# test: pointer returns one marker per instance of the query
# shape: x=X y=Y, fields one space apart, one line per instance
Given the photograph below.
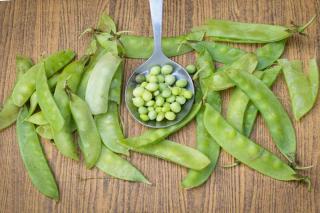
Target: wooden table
x=40 y=27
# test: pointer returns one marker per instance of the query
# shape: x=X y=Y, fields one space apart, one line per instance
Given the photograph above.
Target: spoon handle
x=156 y=17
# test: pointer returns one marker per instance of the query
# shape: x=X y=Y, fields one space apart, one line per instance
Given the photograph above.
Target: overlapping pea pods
x=80 y=102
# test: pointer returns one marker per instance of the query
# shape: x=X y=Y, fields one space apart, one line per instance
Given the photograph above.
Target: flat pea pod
x=117 y=167
x=34 y=159
x=97 y=92
x=302 y=93
x=274 y=114
x=45 y=131
x=245 y=150
x=27 y=83
x=239 y=32
x=9 y=111
x=116 y=85
x=46 y=101
x=38 y=119
x=90 y=143
x=176 y=153
x=108 y=125
x=269 y=53
x=156 y=135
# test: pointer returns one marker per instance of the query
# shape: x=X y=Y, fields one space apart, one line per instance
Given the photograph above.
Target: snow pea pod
x=176 y=153
x=90 y=143
x=46 y=102
x=238 y=32
x=34 y=159
x=117 y=167
x=302 y=92
x=9 y=111
x=97 y=92
x=37 y=118
x=274 y=114
x=27 y=83
x=269 y=53
x=245 y=150
x=45 y=131
x=116 y=85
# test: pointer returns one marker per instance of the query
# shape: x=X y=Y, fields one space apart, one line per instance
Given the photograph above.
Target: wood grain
x=39 y=27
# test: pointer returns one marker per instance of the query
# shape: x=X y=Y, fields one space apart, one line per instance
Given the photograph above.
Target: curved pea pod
x=276 y=117
x=46 y=101
x=176 y=153
x=106 y=24
x=45 y=131
x=110 y=130
x=245 y=150
x=303 y=89
x=117 y=167
x=34 y=159
x=239 y=32
x=269 y=53
x=9 y=111
x=90 y=143
x=37 y=118
x=27 y=83
x=156 y=135
x=220 y=79
x=116 y=85
x=97 y=92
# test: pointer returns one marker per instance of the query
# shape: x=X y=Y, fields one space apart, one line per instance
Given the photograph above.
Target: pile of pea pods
x=75 y=103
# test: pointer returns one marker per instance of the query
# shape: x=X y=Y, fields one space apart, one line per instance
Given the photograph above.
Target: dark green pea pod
x=34 y=159
x=9 y=111
x=245 y=150
x=238 y=32
x=27 y=83
x=116 y=85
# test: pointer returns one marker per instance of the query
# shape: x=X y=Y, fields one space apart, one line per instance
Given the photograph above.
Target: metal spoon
x=157 y=58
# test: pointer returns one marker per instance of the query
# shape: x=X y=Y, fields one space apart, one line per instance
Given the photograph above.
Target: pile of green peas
x=159 y=95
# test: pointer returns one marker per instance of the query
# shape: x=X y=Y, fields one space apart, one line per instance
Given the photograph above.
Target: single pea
x=150 y=103
x=169 y=79
x=156 y=93
x=175 y=107
x=187 y=94
x=152 y=78
x=181 y=100
x=171 y=99
x=160 y=116
x=170 y=116
x=166 y=93
x=140 y=78
x=176 y=90
x=158 y=109
x=159 y=100
x=152 y=115
x=144 y=117
x=155 y=70
x=191 y=68
x=138 y=91
x=162 y=86
x=147 y=96
x=160 y=78
x=152 y=87
x=166 y=107
x=143 y=84
x=181 y=83
x=166 y=69
x=150 y=109
x=138 y=101
x=142 y=110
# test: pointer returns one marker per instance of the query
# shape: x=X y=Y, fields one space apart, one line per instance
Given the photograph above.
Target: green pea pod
x=220 y=79
x=27 y=83
x=90 y=143
x=269 y=53
x=245 y=150
x=97 y=92
x=45 y=131
x=9 y=111
x=110 y=130
x=37 y=118
x=46 y=102
x=106 y=24
x=117 y=167
x=302 y=91
x=274 y=114
x=34 y=159
x=238 y=32
x=156 y=135
x=116 y=85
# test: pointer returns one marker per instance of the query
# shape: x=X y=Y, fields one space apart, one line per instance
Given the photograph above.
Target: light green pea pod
x=117 y=167
x=245 y=150
x=303 y=89
x=106 y=24
x=34 y=159
x=9 y=111
x=46 y=101
x=90 y=143
x=38 y=119
x=269 y=53
x=97 y=92
x=45 y=131
x=27 y=83
x=274 y=114
x=116 y=85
